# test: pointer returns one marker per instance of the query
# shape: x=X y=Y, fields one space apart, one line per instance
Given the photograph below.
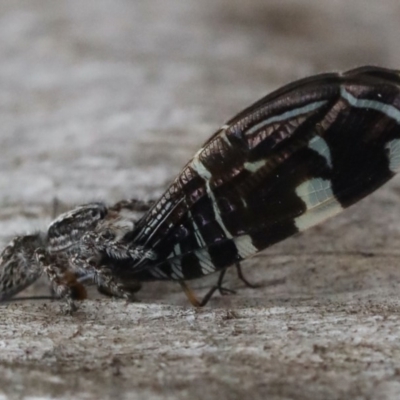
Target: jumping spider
x=70 y=253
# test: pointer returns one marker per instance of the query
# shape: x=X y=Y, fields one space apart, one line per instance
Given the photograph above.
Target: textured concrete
x=108 y=100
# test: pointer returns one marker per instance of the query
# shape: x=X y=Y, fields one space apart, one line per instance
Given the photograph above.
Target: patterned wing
x=293 y=159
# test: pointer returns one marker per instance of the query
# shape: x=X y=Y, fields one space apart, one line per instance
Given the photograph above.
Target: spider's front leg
x=89 y=265
x=109 y=285
x=82 y=238
x=95 y=248
x=136 y=205
x=107 y=242
x=63 y=280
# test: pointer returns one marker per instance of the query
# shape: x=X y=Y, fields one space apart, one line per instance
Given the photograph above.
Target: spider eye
x=97 y=211
x=92 y=262
x=107 y=235
x=98 y=214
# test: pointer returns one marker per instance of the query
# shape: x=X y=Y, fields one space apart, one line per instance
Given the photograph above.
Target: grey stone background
x=107 y=99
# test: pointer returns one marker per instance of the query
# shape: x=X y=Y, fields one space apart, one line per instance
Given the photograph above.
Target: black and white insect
x=296 y=157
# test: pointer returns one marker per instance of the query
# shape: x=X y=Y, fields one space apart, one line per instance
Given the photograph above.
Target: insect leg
x=243 y=278
x=192 y=297
x=223 y=290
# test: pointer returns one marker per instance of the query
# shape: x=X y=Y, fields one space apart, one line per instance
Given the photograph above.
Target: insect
x=291 y=160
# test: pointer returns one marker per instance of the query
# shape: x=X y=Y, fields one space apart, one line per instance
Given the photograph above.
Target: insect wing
x=293 y=159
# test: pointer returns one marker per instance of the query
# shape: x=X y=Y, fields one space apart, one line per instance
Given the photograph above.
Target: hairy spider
x=70 y=253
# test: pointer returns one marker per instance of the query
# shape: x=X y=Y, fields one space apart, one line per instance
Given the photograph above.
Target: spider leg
x=133 y=205
x=18 y=266
x=108 y=284
x=63 y=280
x=104 y=277
x=93 y=242
x=131 y=287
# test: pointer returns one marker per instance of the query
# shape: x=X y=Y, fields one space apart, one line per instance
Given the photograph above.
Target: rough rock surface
x=107 y=100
